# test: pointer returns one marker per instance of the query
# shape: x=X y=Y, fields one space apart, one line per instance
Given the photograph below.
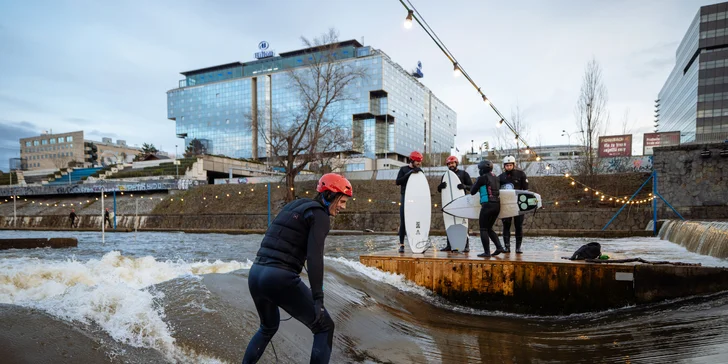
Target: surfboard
x=456 y=228
x=513 y=203
x=417 y=212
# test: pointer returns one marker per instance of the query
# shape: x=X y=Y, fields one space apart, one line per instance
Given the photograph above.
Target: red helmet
x=335 y=183
x=451 y=158
x=416 y=156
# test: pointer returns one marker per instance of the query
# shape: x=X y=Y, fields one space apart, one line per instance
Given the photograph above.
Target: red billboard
x=665 y=139
x=615 y=146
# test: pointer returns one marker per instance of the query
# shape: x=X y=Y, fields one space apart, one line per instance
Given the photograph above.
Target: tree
x=591 y=115
x=313 y=129
x=195 y=148
x=61 y=162
x=147 y=149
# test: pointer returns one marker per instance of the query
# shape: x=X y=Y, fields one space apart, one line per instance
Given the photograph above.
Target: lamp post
x=176 y=164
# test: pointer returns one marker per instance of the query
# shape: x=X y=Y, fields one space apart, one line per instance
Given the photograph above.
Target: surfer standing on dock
x=402 y=177
x=488 y=186
x=465 y=184
x=512 y=179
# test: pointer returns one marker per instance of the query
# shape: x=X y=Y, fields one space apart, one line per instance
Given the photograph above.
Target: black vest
x=286 y=241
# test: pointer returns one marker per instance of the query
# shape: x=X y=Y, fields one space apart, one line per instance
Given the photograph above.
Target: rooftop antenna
x=362 y=40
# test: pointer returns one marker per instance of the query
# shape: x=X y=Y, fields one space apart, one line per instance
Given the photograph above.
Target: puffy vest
x=286 y=241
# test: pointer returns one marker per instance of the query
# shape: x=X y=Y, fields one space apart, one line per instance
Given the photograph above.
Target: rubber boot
x=401 y=249
x=486 y=244
x=447 y=247
x=507 y=243
x=498 y=248
x=519 y=240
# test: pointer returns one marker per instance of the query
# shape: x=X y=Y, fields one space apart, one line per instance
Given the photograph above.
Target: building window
x=69 y=138
x=44 y=141
x=35 y=142
x=27 y=144
x=61 y=140
x=53 y=140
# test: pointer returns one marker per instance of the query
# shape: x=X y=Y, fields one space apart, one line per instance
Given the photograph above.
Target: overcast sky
x=104 y=67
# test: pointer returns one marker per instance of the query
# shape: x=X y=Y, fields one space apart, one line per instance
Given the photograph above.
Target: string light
x=457 y=67
x=408 y=20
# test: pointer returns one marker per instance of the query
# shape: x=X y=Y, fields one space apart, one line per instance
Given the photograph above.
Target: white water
x=111 y=292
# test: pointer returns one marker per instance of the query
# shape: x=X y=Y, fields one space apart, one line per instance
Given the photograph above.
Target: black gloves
x=441 y=186
x=318 y=306
x=461 y=186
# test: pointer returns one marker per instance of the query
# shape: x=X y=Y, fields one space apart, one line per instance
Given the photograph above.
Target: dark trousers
x=488 y=214
x=73 y=222
x=273 y=287
x=402 y=230
x=507 y=231
x=106 y=219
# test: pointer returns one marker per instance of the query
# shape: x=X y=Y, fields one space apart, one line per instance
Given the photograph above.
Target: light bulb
x=456 y=70
x=408 y=20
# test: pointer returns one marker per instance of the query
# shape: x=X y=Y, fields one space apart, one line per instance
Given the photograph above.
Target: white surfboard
x=513 y=203
x=456 y=228
x=417 y=212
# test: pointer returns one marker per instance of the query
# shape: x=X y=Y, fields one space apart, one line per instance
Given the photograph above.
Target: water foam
x=112 y=292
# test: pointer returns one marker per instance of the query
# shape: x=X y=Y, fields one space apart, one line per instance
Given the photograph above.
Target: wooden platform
x=543 y=283
x=32 y=243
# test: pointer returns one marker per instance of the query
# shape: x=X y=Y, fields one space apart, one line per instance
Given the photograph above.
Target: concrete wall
x=687 y=179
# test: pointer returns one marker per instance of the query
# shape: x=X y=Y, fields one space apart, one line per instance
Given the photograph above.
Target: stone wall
x=687 y=179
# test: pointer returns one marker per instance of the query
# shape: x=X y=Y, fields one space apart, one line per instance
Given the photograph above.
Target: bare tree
x=61 y=161
x=626 y=124
x=312 y=130
x=591 y=114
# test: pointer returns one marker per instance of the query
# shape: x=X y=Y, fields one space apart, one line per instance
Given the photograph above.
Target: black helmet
x=485 y=167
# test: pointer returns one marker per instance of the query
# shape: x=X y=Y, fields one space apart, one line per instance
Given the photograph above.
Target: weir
x=702 y=237
x=544 y=284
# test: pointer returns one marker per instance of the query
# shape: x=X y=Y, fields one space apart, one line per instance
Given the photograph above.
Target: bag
x=589 y=251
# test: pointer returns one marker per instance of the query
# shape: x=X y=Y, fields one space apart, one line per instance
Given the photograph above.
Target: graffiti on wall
x=105 y=186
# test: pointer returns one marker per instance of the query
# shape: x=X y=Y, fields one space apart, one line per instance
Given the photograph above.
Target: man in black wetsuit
x=465 y=183
x=402 y=178
x=297 y=235
x=512 y=179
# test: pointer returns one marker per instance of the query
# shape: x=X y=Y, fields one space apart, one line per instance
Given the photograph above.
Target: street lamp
x=176 y=163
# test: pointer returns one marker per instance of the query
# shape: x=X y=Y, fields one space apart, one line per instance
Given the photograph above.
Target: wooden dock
x=543 y=283
x=32 y=243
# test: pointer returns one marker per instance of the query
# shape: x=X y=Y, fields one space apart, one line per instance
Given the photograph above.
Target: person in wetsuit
x=295 y=237
x=402 y=178
x=72 y=217
x=512 y=179
x=488 y=186
x=465 y=183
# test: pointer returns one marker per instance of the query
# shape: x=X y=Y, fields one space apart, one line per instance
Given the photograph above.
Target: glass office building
x=693 y=98
x=389 y=112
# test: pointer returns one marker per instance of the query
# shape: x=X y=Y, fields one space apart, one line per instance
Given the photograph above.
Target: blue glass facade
x=387 y=111
x=693 y=98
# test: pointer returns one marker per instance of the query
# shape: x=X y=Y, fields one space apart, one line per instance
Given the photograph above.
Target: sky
x=105 y=67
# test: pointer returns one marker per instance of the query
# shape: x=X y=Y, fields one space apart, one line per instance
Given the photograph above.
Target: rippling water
x=183 y=298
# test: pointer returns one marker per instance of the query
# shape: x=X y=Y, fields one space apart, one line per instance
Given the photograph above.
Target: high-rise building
x=694 y=99
x=389 y=111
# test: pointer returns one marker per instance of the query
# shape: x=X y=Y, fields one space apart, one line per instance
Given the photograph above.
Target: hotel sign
x=263 y=51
